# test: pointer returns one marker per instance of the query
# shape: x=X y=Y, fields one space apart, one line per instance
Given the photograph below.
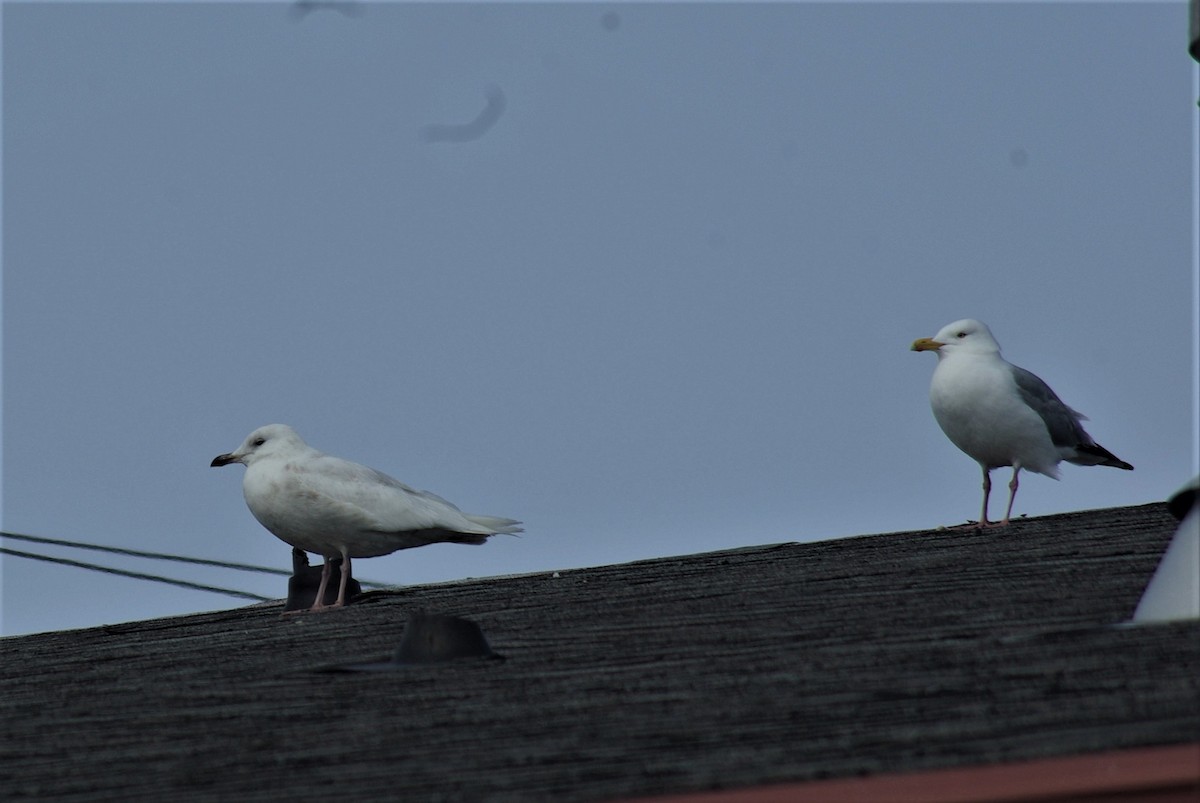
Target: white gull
x=1003 y=415
x=335 y=508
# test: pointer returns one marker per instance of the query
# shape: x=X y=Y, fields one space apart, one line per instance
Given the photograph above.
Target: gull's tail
x=1093 y=454
x=498 y=525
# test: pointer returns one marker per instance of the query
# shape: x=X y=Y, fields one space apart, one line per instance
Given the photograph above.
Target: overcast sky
x=644 y=276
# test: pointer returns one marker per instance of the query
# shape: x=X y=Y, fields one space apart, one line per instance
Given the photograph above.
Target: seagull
x=1003 y=415
x=336 y=508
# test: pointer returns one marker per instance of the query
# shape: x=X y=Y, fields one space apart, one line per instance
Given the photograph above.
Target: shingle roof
x=788 y=662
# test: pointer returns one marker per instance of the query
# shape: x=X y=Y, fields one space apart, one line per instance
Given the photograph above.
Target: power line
x=137 y=553
x=140 y=554
x=135 y=575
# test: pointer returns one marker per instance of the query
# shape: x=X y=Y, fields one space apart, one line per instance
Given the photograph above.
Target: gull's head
x=965 y=335
x=273 y=439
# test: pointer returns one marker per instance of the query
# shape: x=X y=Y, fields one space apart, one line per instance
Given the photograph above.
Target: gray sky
x=656 y=300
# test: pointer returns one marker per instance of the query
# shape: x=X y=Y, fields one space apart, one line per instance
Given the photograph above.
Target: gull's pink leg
x=341 y=600
x=1012 y=493
x=326 y=571
x=987 y=491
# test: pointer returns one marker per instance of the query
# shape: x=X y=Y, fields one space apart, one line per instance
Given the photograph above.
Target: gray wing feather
x=1061 y=421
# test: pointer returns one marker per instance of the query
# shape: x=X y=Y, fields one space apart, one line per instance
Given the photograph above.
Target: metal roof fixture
x=1173 y=593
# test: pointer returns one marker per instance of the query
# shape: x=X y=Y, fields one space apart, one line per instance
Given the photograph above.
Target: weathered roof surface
x=791 y=662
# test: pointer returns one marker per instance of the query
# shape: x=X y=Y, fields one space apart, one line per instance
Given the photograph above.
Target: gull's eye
x=961 y=335
x=259 y=441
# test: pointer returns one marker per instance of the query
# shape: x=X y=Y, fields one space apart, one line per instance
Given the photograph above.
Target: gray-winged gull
x=333 y=507
x=1003 y=415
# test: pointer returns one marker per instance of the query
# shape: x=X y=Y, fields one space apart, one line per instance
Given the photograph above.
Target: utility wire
x=243 y=567
x=136 y=575
x=140 y=554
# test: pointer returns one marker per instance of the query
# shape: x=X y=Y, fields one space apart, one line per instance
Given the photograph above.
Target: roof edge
x=1160 y=774
x=751 y=548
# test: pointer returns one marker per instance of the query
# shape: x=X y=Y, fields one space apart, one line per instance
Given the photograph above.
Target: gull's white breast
x=978 y=405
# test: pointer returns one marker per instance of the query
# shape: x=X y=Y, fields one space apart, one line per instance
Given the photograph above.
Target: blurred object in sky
x=347 y=8
x=465 y=132
x=610 y=21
